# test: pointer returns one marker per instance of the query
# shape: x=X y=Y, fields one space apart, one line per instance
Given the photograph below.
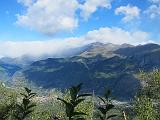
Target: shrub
x=76 y=99
x=24 y=109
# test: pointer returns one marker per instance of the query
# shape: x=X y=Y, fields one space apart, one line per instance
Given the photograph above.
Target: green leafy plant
x=5 y=111
x=144 y=108
x=147 y=100
x=24 y=109
x=76 y=99
x=106 y=106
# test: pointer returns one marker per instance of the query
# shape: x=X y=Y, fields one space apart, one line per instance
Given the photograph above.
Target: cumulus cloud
x=118 y=36
x=153 y=11
x=49 y=16
x=26 y=2
x=129 y=12
x=51 y=47
x=90 y=6
x=155 y=1
x=52 y=16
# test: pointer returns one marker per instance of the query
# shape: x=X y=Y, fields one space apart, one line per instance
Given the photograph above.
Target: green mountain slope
x=7 y=71
x=97 y=71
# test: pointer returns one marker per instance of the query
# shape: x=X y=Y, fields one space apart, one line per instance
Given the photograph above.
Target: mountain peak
x=125 y=45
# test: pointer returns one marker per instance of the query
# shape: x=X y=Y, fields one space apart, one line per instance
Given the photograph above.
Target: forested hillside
x=116 y=69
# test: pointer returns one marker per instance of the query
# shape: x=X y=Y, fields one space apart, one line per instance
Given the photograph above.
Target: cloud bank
x=56 y=46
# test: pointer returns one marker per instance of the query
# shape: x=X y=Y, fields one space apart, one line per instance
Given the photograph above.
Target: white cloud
x=52 y=16
x=130 y=12
x=37 y=48
x=118 y=36
x=155 y=1
x=50 y=47
x=153 y=11
x=26 y=2
x=49 y=16
x=91 y=6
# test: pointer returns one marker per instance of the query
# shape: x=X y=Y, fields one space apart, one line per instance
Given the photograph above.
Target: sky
x=37 y=27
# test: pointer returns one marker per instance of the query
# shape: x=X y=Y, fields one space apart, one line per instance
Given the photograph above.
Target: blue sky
x=60 y=20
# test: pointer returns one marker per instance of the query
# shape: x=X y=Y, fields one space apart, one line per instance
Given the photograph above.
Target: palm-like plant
x=24 y=109
x=106 y=107
x=76 y=99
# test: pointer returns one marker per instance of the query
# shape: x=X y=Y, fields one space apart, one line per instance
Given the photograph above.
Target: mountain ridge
x=97 y=70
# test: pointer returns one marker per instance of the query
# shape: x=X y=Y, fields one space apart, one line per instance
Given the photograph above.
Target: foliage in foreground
x=106 y=107
x=75 y=100
x=73 y=106
x=10 y=106
x=24 y=109
x=148 y=99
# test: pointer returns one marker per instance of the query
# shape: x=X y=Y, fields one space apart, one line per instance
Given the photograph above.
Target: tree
x=8 y=99
x=144 y=108
x=147 y=101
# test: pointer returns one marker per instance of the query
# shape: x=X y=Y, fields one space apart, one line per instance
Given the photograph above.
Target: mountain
x=18 y=61
x=97 y=66
x=90 y=50
x=26 y=60
x=140 y=49
x=105 y=50
x=7 y=71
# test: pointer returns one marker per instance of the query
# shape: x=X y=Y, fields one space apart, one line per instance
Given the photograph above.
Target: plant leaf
x=84 y=95
x=109 y=107
x=26 y=101
x=102 y=110
x=24 y=95
x=27 y=90
x=111 y=116
x=103 y=100
x=65 y=102
x=31 y=106
x=79 y=113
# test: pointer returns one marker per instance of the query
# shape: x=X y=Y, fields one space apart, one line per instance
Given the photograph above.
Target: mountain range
x=97 y=65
